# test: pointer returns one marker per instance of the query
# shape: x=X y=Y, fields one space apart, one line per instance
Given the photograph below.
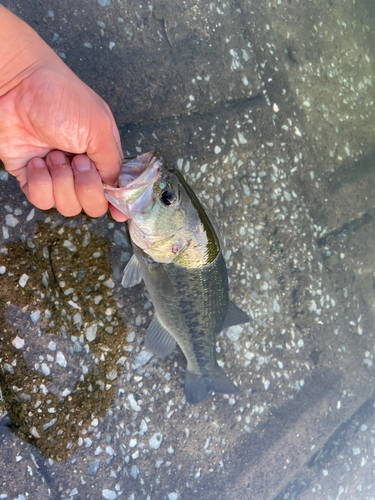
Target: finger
x=104 y=149
x=116 y=214
x=38 y=186
x=88 y=186
x=66 y=201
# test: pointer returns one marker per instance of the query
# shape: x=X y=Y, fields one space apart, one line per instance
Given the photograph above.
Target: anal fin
x=132 y=273
x=235 y=316
x=158 y=340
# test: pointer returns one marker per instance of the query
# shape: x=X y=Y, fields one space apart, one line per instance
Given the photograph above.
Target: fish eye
x=168 y=197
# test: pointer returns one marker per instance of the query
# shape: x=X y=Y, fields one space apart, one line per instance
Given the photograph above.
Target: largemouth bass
x=177 y=254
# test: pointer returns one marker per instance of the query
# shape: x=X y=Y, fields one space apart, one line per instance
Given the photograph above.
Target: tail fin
x=197 y=388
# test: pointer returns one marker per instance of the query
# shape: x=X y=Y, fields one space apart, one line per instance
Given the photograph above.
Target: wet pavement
x=268 y=110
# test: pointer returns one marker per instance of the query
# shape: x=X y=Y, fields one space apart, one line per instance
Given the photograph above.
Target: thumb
x=104 y=149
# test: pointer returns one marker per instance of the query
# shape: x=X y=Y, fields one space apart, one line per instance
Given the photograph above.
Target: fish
x=178 y=255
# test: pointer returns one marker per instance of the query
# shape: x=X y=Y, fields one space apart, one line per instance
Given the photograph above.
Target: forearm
x=21 y=49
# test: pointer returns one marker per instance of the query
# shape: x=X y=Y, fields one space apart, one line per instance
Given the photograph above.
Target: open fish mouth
x=134 y=190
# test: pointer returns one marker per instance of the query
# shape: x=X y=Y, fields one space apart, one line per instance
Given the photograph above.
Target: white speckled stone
x=109 y=494
x=70 y=246
x=23 y=280
x=155 y=441
x=134 y=472
x=18 y=343
x=133 y=403
x=142 y=358
x=11 y=221
x=90 y=332
x=60 y=359
x=234 y=332
x=35 y=316
x=109 y=283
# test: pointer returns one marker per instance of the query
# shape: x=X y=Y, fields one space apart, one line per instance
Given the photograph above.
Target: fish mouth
x=134 y=190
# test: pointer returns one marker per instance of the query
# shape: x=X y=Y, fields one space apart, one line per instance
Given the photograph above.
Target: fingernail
x=81 y=163
x=58 y=158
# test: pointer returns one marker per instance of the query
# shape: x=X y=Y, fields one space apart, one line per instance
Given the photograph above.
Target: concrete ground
x=267 y=107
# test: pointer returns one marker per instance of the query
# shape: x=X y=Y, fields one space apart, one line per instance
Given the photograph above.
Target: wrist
x=21 y=51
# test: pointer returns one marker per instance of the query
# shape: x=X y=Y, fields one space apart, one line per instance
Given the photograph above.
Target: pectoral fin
x=159 y=275
x=235 y=316
x=132 y=273
x=158 y=340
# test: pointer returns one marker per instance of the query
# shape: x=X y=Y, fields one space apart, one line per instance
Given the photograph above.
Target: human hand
x=59 y=138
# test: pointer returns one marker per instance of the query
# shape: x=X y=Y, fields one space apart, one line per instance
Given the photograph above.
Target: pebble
x=11 y=221
x=2 y=269
x=9 y=368
x=109 y=494
x=109 y=283
x=52 y=345
x=69 y=245
x=143 y=427
x=155 y=441
x=120 y=239
x=45 y=370
x=60 y=359
x=73 y=304
x=112 y=375
x=97 y=299
x=90 y=332
x=77 y=318
x=23 y=280
x=86 y=240
x=34 y=432
x=130 y=337
x=133 y=403
x=35 y=316
x=31 y=215
x=142 y=358
x=134 y=472
x=18 y=343
x=275 y=306
x=234 y=332
x=50 y=424
x=93 y=468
